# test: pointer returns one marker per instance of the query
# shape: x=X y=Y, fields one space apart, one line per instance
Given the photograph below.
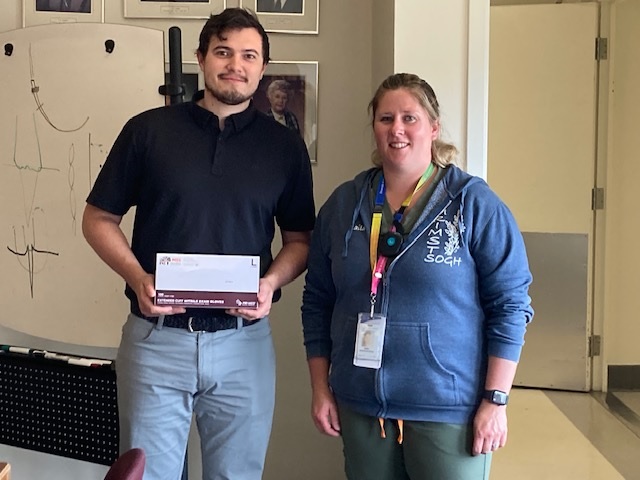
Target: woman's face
x=278 y=100
x=403 y=131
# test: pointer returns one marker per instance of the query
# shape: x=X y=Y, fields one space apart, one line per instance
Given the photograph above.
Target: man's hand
x=146 y=292
x=265 y=297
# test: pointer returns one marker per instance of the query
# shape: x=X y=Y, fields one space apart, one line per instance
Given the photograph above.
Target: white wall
x=446 y=43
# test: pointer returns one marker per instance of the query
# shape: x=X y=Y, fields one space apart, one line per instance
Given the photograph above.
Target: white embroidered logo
x=439 y=249
x=358 y=228
x=453 y=230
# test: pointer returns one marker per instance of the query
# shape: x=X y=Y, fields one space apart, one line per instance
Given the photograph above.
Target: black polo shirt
x=197 y=189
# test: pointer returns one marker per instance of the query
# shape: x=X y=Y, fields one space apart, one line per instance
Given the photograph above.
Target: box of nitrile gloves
x=207 y=281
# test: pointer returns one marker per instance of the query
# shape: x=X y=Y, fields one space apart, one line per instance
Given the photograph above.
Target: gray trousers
x=430 y=451
x=227 y=379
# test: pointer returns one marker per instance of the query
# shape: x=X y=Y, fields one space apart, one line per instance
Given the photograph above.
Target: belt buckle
x=190 y=326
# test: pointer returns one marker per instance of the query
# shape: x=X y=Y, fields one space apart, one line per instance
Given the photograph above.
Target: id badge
x=369 y=340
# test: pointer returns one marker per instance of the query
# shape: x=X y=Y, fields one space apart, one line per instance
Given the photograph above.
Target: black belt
x=201 y=324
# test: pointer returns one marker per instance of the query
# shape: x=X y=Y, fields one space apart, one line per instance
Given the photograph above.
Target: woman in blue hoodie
x=415 y=304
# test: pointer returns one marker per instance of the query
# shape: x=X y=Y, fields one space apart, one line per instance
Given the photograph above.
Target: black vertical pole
x=175 y=66
x=176 y=95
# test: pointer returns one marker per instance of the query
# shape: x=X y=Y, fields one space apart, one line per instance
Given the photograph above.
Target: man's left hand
x=265 y=297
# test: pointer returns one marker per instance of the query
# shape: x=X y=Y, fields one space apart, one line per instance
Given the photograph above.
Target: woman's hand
x=324 y=412
x=489 y=428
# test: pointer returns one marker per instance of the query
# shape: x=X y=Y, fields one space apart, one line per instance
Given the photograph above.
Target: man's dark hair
x=232 y=19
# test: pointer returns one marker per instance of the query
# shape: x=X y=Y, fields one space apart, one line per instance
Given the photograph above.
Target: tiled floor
x=566 y=436
x=552 y=436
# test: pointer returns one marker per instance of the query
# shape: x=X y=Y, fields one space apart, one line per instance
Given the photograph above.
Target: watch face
x=499 y=397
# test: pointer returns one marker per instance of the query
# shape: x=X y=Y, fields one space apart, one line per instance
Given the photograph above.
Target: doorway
x=541 y=161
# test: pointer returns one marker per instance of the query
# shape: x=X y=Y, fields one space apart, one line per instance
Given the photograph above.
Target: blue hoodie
x=455 y=294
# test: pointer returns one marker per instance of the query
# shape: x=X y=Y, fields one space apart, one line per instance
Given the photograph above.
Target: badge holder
x=369 y=340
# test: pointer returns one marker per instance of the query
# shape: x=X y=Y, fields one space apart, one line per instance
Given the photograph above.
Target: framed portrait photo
x=288 y=93
x=286 y=16
x=42 y=12
x=172 y=8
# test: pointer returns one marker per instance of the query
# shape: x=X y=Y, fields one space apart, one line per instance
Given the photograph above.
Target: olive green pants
x=430 y=451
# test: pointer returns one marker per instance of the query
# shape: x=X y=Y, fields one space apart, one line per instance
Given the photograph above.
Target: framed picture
x=192 y=79
x=172 y=8
x=41 y=12
x=288 y=92
x=286 y=16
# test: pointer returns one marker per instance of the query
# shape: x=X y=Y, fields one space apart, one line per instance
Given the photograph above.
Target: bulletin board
x=66 y=92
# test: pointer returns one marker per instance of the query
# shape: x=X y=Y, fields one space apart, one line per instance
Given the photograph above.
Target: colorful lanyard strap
x=379 y=262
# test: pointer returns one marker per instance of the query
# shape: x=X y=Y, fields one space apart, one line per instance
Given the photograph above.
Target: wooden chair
x=128 y=466
x=5 y=471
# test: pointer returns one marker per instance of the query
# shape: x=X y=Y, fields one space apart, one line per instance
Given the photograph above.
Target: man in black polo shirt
x=212 y=176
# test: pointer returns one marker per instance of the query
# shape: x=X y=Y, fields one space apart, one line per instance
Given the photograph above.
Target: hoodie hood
x=454 y=183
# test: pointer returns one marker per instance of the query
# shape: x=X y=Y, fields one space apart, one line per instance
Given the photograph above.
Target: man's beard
x=228 y=97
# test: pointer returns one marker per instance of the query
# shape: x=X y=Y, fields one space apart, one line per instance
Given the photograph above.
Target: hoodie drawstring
x=400 y=423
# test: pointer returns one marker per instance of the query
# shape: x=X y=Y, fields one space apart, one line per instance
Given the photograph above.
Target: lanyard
x=379 y=262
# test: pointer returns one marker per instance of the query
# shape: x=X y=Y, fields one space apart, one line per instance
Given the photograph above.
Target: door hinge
x=595 y=342
x=602 y=47
x=597 y=199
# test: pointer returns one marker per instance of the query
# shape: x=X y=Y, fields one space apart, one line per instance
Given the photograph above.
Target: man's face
x=278 y=100
x=233 y=66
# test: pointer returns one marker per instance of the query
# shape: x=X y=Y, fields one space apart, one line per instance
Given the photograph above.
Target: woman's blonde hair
x=442 y=153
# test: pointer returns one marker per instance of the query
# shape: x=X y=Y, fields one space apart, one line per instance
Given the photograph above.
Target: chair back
x=128 y=466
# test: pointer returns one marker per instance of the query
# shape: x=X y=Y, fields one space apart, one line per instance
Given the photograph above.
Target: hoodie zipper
x=385 y=302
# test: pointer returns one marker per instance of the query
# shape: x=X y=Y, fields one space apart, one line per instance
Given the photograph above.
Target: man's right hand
x=146 y=292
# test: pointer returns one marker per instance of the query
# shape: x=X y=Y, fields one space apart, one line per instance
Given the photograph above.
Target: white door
x=541 y=161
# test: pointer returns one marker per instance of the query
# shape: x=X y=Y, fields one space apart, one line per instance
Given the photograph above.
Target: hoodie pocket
x=412 y=374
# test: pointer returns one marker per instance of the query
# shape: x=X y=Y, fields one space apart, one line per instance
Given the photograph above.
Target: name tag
x=369 y=340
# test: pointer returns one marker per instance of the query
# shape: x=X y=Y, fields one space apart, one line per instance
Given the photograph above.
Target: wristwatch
x=496 y=396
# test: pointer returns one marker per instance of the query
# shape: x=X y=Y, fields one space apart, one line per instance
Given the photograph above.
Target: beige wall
x=383 y=30
x=622 y=258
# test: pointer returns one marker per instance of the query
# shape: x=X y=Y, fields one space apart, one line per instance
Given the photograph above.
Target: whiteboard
x=64 y=100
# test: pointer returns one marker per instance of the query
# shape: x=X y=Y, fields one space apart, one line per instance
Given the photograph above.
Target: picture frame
x=296 y=16
x=172 y=9
x=299 y=80
x=43 y=12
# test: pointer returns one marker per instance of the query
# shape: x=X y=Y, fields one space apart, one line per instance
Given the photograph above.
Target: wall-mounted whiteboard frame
x=180 y=9
x=303 y=19
x=54 y=138
x=43 y=12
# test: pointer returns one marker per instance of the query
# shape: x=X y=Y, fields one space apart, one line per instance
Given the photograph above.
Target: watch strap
x=497 y=397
